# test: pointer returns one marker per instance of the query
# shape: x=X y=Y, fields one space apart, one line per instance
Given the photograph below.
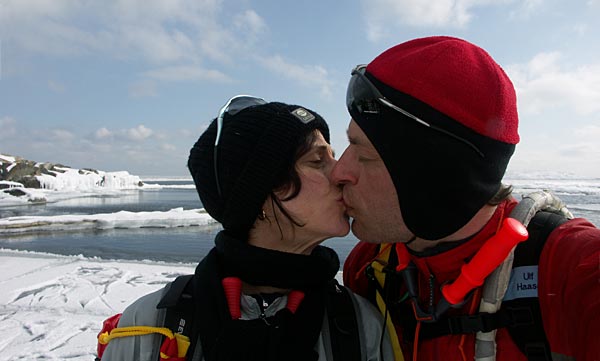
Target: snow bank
x=81 y=180
x=177 y=217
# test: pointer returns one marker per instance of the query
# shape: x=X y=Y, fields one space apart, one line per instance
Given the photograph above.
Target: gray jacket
x=143 y=312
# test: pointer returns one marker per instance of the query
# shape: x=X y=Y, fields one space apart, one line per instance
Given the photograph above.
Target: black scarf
x=284 y=336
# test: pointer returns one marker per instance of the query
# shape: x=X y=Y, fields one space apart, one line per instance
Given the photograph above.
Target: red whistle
x=493 y=252
x=232 y=286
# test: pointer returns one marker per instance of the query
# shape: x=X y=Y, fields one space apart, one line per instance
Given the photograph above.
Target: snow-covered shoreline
x=24 y=181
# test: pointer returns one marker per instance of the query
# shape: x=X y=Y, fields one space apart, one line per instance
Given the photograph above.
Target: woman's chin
x=344 y=228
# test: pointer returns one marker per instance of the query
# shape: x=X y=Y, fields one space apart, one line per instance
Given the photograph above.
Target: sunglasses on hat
x=364 y=98
x=233 y=106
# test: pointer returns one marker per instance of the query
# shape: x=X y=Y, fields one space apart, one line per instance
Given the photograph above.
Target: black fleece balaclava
x=442 y=179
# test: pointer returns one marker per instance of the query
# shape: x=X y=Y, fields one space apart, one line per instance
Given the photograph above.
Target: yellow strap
x=105 y=337
x=183 y=342
x=380 y=277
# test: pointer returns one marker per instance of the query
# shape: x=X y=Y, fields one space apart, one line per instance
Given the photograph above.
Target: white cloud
x=186 y=73
x=525 y=9
x=7 y=127
x=543 y=84
x=590 y=132
x=192 y=133
x=157 y=44
x=61 y=135
x=384 y=16
x=251 y=23
x=43 y=27
x=573 y=150
x=152 y=31
x=167 y=147
x=102 y=133
x=306 y=75
x=172 y=39
x=139 y=133
x=123 y=137
x=136 y=147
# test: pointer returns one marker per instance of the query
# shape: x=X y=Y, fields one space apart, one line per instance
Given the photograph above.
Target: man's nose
x=342 y=173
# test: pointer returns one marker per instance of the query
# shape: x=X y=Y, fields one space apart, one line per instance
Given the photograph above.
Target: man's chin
x=363 y=234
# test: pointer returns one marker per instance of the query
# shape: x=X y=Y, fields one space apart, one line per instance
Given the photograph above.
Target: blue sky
x=130 y=85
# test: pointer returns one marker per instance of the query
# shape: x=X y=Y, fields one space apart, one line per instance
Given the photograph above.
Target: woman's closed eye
x=320 y=156
x=317 y=163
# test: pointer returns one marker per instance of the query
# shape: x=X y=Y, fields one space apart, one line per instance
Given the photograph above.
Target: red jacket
x=568 y=281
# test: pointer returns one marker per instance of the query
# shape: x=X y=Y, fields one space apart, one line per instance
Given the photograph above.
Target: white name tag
x=523 y=283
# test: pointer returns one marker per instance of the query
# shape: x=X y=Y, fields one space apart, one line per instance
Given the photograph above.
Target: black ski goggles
x=364 y=98
x=233 y=106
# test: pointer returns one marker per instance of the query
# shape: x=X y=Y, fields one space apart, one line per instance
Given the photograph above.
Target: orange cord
x=416 y=341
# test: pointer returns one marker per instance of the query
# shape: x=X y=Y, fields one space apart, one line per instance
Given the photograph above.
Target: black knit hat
x=255 y=149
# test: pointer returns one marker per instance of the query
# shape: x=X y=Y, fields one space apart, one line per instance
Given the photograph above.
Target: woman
x=262 y=170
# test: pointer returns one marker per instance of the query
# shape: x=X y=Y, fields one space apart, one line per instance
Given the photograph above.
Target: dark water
x=133 y=201
x=187 y=244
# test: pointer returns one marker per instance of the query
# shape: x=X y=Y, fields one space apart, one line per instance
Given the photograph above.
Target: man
x=434 y=124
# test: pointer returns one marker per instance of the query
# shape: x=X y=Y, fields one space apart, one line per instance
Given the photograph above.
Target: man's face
x=369 y=192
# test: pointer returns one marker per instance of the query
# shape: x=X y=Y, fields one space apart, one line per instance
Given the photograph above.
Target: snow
x=11 y=184
x=177 y=217
x=68 y=183
x=72 y=179
x=557 y=186
x=6 y=158
x=77 y=180
x=52 y=307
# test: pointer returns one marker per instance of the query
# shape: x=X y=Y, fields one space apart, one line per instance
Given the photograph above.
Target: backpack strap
x=522 y=294
x=343 y=324
x=479 y=322
x=179 y=305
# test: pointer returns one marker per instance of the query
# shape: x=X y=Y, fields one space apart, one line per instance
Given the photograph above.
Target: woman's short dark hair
x=288 y=180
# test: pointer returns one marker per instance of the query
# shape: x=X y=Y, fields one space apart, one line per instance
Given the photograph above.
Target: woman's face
x=319 y=206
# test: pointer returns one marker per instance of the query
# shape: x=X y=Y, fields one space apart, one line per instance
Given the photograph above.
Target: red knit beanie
x=455 y=77
x=445 y=173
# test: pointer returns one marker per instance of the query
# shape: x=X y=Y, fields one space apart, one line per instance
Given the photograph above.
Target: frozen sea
x=83 y=256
